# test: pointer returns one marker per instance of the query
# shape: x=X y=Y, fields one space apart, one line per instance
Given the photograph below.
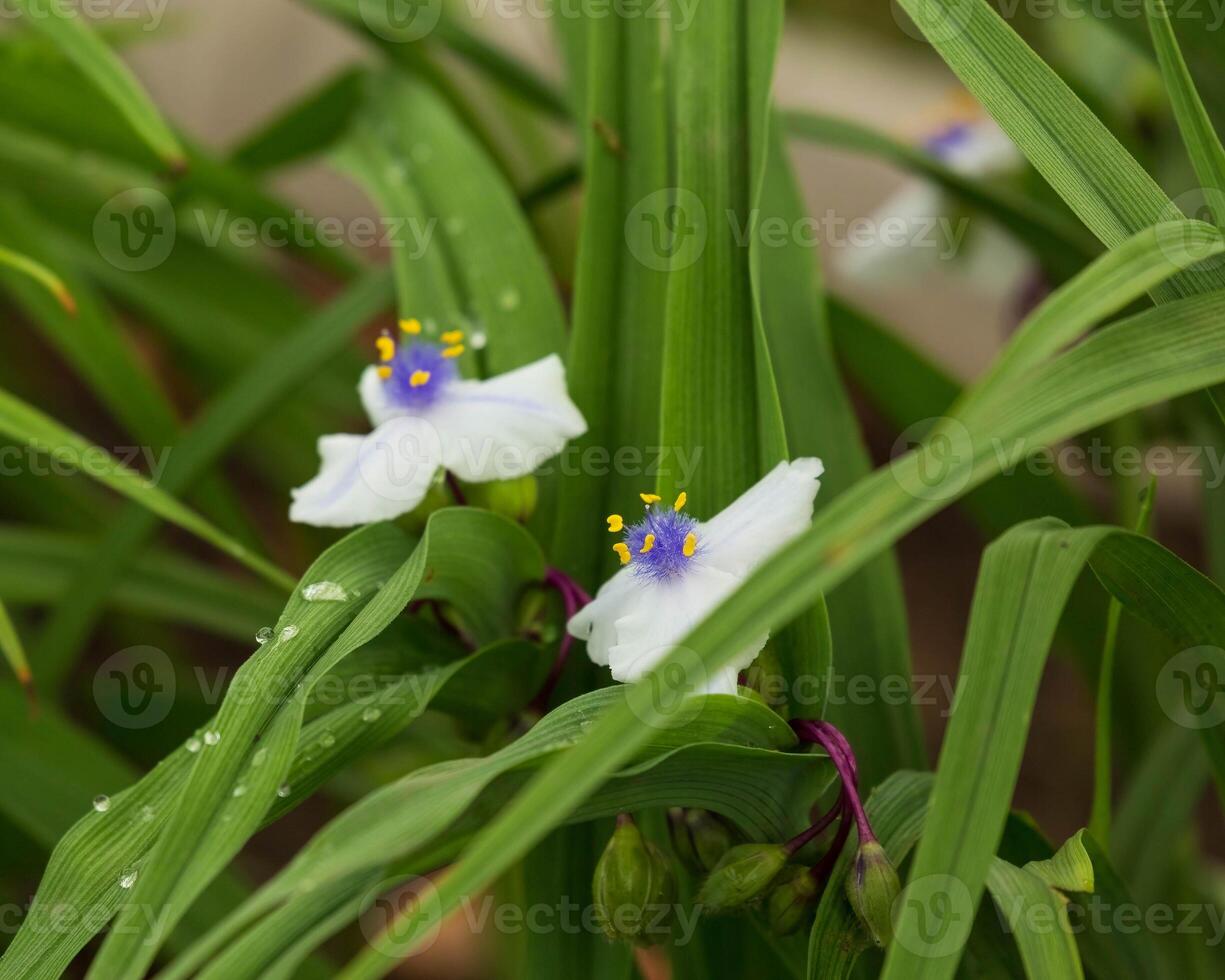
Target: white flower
x=920 y=227
x=427 y=418
x=677 y=570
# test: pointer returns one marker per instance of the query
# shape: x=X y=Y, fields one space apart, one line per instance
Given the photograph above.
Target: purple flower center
x=668 y=531
x=419 y=373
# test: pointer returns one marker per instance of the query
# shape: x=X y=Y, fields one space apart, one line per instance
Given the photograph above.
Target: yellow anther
x=454 y=351
x=387 y=348
x=419 y=378
x=452 y=337
x=615 y=522
x=384 y=373
x=411 y=326
x=623 y=552
x=647 y=544
x=691 y=544
x=680 y=501
x=649 y=498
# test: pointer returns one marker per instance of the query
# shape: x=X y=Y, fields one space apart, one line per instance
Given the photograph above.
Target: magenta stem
x=839 y=750
x=820 y=824
x=573 y=597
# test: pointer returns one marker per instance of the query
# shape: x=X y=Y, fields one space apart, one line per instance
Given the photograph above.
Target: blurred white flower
x=921 y=226
x=676 y=570
x=427 y=418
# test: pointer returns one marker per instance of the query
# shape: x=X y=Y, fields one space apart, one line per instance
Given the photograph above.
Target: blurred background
x=222 y=69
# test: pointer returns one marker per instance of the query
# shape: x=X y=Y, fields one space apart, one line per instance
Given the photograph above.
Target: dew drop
x=288 y=633
x=324 y=592
x=478 y=340
x=327 y=740
x=372 y=714
x=128 y=878
x=239 y=790
x=193 y=745
x=509 y=300
x=145 y=814
x=259 y=757
x=283 y=790
x=264 y=635
x=102 y=803
x=212 y=738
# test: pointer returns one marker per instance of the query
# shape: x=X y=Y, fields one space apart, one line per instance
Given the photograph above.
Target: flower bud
x=699 y=838
x=872 y=887
x=792 y=897
x=741 y=876
x=633 y=887
x=515 y=499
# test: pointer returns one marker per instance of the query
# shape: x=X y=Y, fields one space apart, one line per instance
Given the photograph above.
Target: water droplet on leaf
x=212 y=738
x=102 y=803
x=128 y=878
x=324 y=592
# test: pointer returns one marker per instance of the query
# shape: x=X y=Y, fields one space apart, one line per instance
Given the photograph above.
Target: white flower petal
x=507 y=426
x=636 y=624
x=373 y=391
x=370 y=478
x=594 y=622
x=762 y=519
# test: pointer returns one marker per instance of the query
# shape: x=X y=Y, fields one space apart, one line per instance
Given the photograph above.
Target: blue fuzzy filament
x=666 y=559
x=414 y=357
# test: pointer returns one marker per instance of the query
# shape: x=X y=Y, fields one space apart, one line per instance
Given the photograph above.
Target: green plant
x=415 y=707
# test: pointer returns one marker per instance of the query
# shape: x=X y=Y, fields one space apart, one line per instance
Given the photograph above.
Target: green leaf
x=1070 y=870
x=277 y=373
x=1198 y=135
x=478 y=265
x=1069 y=146
x=1025 y=581
x=262 y=741
x=14 y=652
x=616 y=345
x=67 y=30
x=306 y=127
x=32 y=428
x=37 y=564
x=38 y=272
x=716 y=374
x=724 y=756
x=1035 y=915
